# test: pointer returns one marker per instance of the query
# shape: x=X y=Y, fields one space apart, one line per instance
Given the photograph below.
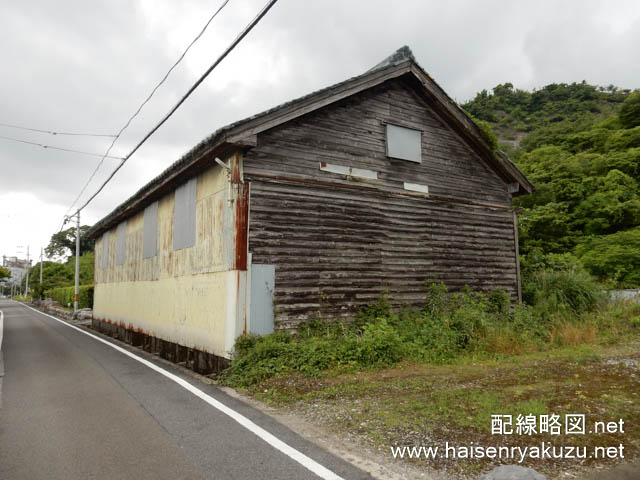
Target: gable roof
x=242 y=134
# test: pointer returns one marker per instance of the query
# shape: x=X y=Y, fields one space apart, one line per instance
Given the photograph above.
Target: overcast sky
x=86 y=66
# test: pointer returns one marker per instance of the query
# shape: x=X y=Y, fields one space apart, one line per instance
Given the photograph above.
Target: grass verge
x=428 y=376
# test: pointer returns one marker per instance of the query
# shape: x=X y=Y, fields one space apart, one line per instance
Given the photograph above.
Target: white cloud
x=86 y=66
x=26 y=220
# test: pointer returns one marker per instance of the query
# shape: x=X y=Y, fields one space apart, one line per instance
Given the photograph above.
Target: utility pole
x=75 y=296
x=41 y=266
x=77 y=279
x=26 y=289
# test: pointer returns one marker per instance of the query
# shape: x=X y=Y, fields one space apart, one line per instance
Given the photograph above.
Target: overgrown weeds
x=565 y=307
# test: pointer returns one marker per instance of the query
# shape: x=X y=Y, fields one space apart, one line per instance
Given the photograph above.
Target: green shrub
x=499 y=302
x=22 y=298
x=613 y=257
x=563 y=311
x=430 y=339
x=630 y=111
x=380 y=345
x=64 y=295
x=624 y=139
x=469 y=321
x=380 y=308
x=561 y=290
x=436 y=299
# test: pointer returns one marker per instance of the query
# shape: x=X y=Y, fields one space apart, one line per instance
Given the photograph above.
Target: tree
x=55 y=274
x=613 y=257
x=63 y=243
x=580 y=147
x=4 y=273
x=630 y=111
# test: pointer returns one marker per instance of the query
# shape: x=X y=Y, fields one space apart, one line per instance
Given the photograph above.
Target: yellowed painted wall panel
x=190 y=310
x=209 y=254
x=189 y=296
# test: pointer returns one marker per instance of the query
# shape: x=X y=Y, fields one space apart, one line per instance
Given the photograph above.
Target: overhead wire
x=53 y=147
x=53 y=132
x=226 y=52
x=146 y=100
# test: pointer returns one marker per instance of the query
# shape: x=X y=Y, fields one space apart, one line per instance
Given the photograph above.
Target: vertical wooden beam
x=517 y=250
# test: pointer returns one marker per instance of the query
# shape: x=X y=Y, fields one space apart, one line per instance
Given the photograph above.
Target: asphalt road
x=72 y=407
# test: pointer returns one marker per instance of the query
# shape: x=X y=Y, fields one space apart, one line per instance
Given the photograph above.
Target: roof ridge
x=402 y=54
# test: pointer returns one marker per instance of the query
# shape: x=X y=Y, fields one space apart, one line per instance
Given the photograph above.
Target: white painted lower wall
x=205 y=311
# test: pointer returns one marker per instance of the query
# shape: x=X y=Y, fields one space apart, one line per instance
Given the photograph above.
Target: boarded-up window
x=150 y=231
x=121 y=243
x=105 y=250
x=184 y=215
x=404 y=143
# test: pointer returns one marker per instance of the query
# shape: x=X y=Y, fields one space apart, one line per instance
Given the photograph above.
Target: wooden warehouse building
x=310 y=210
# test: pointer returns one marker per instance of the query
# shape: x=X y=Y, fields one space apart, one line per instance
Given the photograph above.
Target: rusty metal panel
x=184 y=215
x=105 y=250
x=263 y=278
x=150 y=231
x=121 y=243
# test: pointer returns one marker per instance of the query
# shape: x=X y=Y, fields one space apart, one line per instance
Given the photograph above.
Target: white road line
x=275 y=442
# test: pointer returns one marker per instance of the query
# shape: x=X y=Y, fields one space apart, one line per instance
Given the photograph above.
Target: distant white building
x=17 y=274
x=18 y=268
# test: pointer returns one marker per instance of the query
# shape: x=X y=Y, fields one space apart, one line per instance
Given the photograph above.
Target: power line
x=51 y=147
x=226 y=52
x=51 y=132
x=146 y=100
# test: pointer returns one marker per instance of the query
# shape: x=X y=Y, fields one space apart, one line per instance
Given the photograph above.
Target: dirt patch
x=435 y=406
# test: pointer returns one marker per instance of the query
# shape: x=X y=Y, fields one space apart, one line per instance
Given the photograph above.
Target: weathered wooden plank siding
x=352 y=133
x=337 y=248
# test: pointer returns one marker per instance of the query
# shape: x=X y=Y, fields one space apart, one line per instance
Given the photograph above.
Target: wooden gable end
x=338 y=238
x=351 y=133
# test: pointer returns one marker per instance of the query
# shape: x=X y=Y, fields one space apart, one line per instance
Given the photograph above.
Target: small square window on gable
x=404 y=143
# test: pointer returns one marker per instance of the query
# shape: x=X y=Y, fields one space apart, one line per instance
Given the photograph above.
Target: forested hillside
x=580 y=146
